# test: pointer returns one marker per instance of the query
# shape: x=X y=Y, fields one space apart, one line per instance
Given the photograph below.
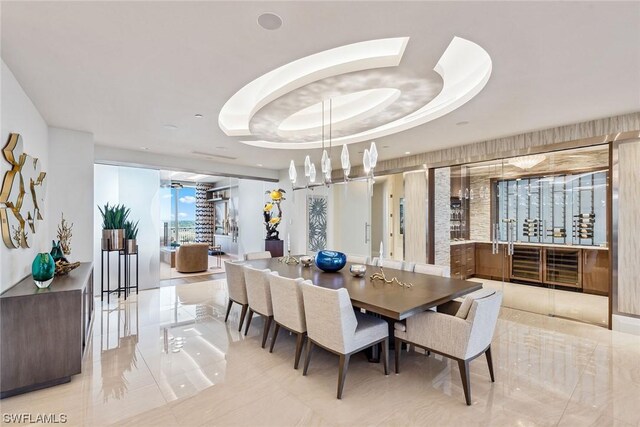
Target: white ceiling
x=124 y=70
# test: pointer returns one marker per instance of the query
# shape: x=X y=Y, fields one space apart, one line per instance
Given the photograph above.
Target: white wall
x=19 y=115
x=71 y=188
x=138 y=189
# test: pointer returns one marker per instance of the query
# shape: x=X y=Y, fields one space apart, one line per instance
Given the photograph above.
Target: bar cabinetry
x=463 y=260
x=562 y=267
x=44 y=332
x=595 y=271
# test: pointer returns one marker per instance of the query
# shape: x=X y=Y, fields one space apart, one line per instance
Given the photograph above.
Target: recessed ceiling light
x=407 y=152
x=385 y=146
x=198 y=116
x=221 y=148
x=259 y=164
x=144 y=148
x=462 y=123
x=170 y=127
x=269 y=21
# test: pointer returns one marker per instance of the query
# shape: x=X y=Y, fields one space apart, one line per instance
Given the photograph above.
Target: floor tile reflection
x=166 y=357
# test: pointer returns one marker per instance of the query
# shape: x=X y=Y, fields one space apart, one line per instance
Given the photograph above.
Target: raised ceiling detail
x=283 y=108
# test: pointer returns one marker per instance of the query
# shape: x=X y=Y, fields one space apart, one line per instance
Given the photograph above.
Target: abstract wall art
x=21 y=196
x=316 y=223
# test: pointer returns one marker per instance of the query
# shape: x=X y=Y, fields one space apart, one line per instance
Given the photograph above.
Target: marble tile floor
x=165 y=357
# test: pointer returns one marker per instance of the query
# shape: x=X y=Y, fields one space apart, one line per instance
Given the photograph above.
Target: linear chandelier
x=369 y=160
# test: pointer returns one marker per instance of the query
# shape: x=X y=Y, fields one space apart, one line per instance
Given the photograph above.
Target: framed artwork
x=316 y=222
x=402 y=215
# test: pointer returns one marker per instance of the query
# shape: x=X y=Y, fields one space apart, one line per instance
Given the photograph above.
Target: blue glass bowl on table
x=330 y=261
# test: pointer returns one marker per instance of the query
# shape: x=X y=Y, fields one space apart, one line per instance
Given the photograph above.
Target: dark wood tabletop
x=390 y=300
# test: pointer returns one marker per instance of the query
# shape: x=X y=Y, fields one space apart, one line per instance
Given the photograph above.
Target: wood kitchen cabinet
x=595 y=271
x=489 y=265
x=463 y=260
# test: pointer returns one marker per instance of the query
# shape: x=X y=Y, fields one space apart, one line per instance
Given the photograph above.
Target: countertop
x=546 y=245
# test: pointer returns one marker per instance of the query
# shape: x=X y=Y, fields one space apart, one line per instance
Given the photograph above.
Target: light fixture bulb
x=327 y=172
x=323 y=161
x=307 y=166
x=366 y=161
x=312 y=173
x=344 y=158
x=373 y=154
x=293 y=174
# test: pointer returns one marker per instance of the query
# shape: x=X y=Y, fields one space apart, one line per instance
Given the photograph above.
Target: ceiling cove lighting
x=465 y=68
x=527 y=162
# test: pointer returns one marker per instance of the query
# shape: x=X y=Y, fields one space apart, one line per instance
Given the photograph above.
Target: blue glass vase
x=330 y=261
x=43 y=269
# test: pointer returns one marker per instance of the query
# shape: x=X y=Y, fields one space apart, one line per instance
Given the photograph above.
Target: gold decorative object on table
x=383 y=277
x=64 y=236
x=21 y=195
x=64 y=267
x=288 y=259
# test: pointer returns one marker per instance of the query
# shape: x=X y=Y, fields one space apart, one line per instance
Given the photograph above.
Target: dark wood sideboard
x=44 y=332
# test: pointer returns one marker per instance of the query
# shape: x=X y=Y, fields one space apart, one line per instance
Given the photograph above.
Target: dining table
x=412 y=293
x=421 y=291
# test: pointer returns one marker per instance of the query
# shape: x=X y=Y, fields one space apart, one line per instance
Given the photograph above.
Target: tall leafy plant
x=114 y=217
x=131 y=230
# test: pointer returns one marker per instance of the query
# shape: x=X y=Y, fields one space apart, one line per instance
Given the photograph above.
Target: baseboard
x=630 y=325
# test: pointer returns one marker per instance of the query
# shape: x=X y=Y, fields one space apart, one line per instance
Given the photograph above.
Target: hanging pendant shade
x=312 y=173
x=293 y=173
x=344 y=158
x=366 y=161
x=373 y=154
x=307 y=166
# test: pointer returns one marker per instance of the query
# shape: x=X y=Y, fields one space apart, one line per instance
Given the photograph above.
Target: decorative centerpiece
x=64 y=235
x=113 y=219
x=271 y=220
x=383 y=277
x=43 y=270
x=330 y=261
x=357 y=270
x=62 y=248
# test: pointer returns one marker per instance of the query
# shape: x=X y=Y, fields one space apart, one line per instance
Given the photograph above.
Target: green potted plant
x=130 y=236
x=113 y=219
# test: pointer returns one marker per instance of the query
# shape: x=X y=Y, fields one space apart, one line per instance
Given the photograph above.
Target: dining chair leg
x=243 y=315
x=463 y=365
x=398 y=351
x=246 y=329
x=307 y=357
x=275 y=335
x=342 y=373
x=265 y=331
x=299 y=344
x=226 y=317
x=385 y=355
x=490 y=363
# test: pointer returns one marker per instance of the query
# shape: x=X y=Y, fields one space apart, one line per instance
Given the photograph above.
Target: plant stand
x=127 y=271
x=109 y=291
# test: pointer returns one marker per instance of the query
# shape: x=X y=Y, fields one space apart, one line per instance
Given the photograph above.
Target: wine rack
x=563 y=267
x=526 y=264
x=531 y=227
x=583 y=226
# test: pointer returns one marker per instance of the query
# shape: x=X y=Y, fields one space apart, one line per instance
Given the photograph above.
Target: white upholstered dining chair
x=257 y=255
x=390 y=263
x=259 y=296
x=288 y=310
x=374 y=261
x=333 y=325
x=462 y=337
x=408 y=266
x=434 y=270
x=237 y=289
x=355 y=259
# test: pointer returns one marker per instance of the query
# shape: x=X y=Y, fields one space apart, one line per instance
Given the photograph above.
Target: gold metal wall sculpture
x=21 y=196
